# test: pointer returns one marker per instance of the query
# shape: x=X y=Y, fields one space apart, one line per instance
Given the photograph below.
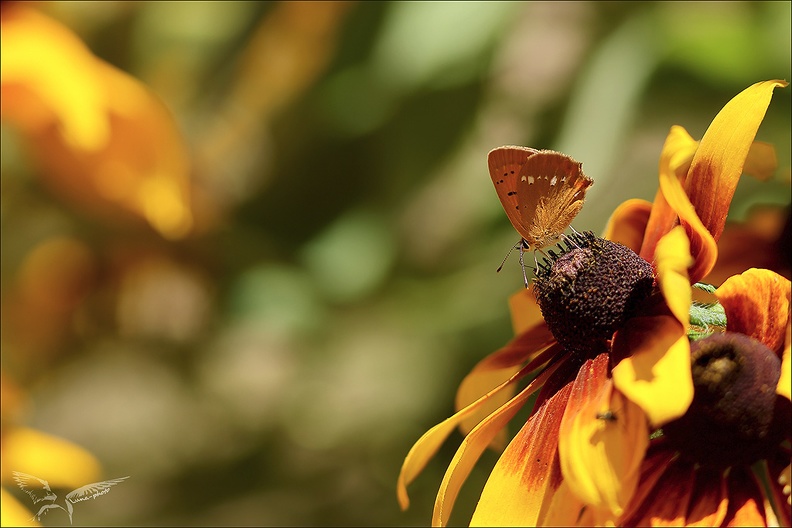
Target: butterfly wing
x=505 y=164
x=551 y=188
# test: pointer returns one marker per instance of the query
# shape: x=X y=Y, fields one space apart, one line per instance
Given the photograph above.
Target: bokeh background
x=259 y=336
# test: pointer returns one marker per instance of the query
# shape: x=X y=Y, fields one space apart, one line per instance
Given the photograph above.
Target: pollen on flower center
x=589 y=291
x=736 y=415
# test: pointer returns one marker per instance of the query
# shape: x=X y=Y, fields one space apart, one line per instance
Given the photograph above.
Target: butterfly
x=540 y=190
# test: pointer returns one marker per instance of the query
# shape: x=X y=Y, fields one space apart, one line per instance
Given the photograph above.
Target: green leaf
x=705 y=319
x=709 y=288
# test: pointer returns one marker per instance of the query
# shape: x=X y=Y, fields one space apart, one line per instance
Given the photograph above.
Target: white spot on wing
x=554 y=180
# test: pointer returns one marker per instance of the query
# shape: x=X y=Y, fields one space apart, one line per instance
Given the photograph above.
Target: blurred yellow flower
x=98 y=136
x=61 y=463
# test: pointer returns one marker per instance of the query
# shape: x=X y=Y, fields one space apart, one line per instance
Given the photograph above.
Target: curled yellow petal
x=721 y=155
x=675 y=159
x=702 y=244
x=672 y=261
x=566 y=509
x=602 y=442
x=601 y=456
x=655 y=372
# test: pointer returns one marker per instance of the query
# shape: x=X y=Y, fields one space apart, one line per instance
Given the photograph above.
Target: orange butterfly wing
x=505 y=164
x=551 y=189
x=541 y=190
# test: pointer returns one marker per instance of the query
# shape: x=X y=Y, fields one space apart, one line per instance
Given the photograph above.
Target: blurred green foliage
x=275 y=367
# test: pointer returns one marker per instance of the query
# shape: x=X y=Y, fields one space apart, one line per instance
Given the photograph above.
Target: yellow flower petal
x=472 y=387
x=785 y=381
x=526 y=475
x=429 y=443
x=12 y=513
x=655 y=372
x=719 y=160
x=525 y=312
x=628 y=222
x=58 y=461
x=601 y=458
x=672 y=260
x=566 y=509
x=675 y=158
x=757 y=304
x=702 y=245
x=496 y=369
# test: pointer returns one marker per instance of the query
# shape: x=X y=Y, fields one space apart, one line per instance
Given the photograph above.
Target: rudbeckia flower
x=625 y=378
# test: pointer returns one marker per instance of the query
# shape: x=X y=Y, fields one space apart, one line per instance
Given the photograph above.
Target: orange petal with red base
x=667 y=503
x=708 y=502
x=757 y=304
x=746 y=500
x=526 y=476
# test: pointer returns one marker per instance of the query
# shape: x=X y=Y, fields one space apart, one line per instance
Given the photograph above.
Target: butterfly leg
x=570 y=240
x=523 y=248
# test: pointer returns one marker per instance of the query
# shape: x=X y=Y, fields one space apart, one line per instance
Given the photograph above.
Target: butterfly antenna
x=515 y=246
